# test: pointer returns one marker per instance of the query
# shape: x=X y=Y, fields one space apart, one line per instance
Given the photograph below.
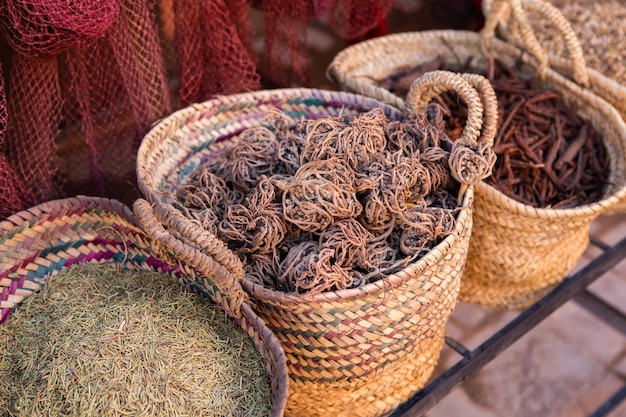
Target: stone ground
x=567 y=365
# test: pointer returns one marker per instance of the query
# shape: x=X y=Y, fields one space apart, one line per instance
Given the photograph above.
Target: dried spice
x=98 y=341
x=333 y=203
x=547 y=155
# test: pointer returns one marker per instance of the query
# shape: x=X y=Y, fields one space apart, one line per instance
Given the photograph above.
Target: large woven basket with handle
x=547 y=29
x=354 y=352
x=38 y=242
x=594 y=62
x=517 y=253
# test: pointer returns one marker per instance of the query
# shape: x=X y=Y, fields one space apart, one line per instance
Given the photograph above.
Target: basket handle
x=220 y=269
x=472 y=158
x=501 y=8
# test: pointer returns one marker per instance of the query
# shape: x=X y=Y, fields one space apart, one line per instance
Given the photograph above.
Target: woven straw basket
x=575 y=40
x=509 y=18
x=518 y=253
x=356 y=352
x=42 y=240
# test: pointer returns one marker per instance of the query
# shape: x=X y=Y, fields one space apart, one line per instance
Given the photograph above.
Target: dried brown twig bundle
x=348 y=240
x=336 y=203
x=206 y=196
x=356 y=142
x=424 y=130
x=253 y=231
x=313 y=203
x=307 y=268
x=251 y=157
x=391 y=183
x=423 y=226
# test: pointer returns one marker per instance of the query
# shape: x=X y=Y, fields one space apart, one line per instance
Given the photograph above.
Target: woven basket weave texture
x=357 y=352
x=517 y=253
x=580 y=39
x=38 y=242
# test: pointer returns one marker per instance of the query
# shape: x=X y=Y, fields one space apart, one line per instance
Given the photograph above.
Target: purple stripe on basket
x=15 y=284
x=5 y=314
x=27 y=261
x=161 y=265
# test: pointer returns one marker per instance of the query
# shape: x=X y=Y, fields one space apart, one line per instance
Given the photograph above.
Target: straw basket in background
x=549 y=31
x=355 y=352
x=40 y=241
x=588 y=52
x=517 y=253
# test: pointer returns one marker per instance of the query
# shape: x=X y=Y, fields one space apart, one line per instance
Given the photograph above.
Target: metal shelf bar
x=612 y=403
x=439 y=388
x=602 y=310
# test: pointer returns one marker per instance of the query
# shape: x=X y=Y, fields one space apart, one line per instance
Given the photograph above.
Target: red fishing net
x=214 y=45
x=86 y=79
x=353 y=19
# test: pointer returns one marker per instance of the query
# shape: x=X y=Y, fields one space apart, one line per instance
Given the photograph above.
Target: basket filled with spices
x=545 y=28
x=577 y=38
x=94 y=322
x=349 y=221
x=560 y=155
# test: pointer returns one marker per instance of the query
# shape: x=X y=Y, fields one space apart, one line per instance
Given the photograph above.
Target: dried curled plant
x=307 y=268
x=251 y=157
x=336 y=202
x=263 y=268
x=392 y=182
x=424 y=227
x=314 y=205
x=253 y=231
x=313 y=202
x=348 y=240
x=471 y=161
x=206 y=196
x=435 y=160
x=321 y=138
x=362 y=139
x=356 y=142
x=290 y=144
x=333 y=169
x=419 y=132
x=287 y=161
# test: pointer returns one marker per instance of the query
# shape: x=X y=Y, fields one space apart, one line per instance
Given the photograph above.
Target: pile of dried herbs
x=335 y=203
x=547 y=156
x=104 y=342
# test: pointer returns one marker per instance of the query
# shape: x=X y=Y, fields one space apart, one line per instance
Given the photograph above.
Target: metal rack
x=573 y=288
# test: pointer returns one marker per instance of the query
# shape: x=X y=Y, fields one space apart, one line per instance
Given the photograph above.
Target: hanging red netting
x=285 y=61
x=86 y=79
x=86 y=83
x=111 y=107
x=214 y=48
x=10 y=199
x=43 y=27
x=34 y=112
x=352 y=19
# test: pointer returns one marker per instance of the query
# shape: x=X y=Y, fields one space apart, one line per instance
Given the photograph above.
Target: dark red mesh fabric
x=320 y=7
x=3 y=108
x=34 y=114
x=44 y=27
x=86 y=79
x=285 y=61
x=214 y=48
x=352 y=19
x=10 y=199
x=110 y=107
